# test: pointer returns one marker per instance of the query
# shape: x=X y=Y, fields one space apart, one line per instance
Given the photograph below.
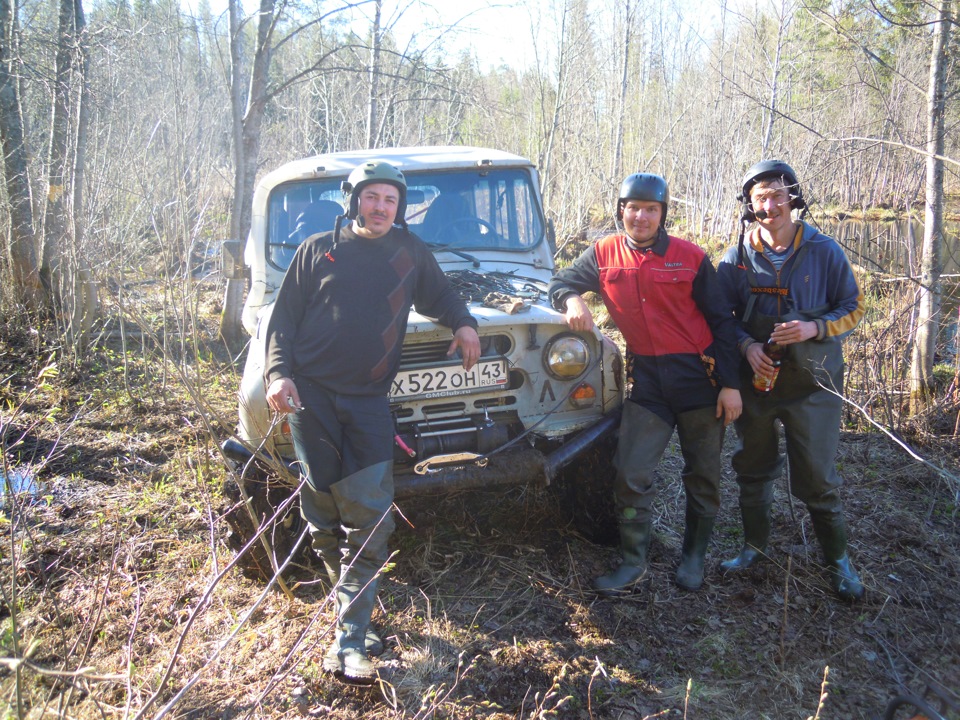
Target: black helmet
x=765 y=170
x=644 y=186
x=374 y=171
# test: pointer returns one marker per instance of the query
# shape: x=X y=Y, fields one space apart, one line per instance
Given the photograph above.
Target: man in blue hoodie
x=791 y=285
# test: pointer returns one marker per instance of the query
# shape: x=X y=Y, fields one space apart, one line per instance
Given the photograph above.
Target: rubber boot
x=327 y=536
x=364 y=500
x=831 y=532
x=756 y=535
x=696 y=537
x=634 y=544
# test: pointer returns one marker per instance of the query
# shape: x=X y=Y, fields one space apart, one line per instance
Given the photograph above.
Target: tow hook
x=452 y=460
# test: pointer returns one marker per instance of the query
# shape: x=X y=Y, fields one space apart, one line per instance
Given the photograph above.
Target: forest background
x=132 y=137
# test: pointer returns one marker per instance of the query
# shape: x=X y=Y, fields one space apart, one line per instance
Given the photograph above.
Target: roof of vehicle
x=406 y=158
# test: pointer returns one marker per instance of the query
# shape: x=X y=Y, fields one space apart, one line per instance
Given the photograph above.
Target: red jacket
x=665 y=301
x=650 y=296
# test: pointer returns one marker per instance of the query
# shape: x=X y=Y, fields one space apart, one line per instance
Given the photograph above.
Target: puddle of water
x=19 y=483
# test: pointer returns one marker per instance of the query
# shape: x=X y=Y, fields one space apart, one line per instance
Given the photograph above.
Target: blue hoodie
x=817 y=281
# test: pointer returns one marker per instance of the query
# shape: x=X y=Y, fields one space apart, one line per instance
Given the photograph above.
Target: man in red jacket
x=661 y=291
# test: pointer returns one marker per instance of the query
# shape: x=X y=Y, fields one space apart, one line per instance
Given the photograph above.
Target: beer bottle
x=763 y=384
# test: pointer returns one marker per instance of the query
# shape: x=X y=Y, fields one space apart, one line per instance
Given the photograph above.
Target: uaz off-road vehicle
x=541 y=396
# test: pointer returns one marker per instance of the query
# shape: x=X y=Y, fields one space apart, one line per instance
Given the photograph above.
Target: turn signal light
x=583 y=396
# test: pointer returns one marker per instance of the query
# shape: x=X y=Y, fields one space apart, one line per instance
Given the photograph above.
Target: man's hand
x=578 y=314
x=729 y=405
x=282 y=396
x=794 y=331
x=468 y=342
x=760 y=363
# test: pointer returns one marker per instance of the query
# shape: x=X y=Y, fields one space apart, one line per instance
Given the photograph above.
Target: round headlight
x=566 y=357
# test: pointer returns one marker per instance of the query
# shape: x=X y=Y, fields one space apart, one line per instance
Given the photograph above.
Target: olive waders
x=831 y=531
x=811 y=422
x=643 y=438
x=701 y=441
x=756 y=498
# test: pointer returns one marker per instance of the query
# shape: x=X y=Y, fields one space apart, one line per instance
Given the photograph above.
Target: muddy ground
x=120 y=598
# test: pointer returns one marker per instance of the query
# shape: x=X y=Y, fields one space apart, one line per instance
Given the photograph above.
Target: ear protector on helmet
x=374 y=171
x=764 y=170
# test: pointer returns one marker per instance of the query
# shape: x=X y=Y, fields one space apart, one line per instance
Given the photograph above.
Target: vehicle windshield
x=482 y=209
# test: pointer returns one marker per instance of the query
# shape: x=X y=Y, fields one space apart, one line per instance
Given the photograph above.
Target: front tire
x=585 y=489
x=266 y=494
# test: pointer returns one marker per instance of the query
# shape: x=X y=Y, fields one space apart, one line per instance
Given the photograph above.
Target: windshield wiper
x=460 y=253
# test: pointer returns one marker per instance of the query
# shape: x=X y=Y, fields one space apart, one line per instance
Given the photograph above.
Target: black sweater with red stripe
x=666 y=302
x=339 y=319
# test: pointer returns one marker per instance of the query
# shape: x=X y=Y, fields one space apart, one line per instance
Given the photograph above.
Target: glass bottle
x=763 y=384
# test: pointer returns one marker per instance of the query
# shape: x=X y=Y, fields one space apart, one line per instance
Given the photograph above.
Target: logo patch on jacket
x=673 y=264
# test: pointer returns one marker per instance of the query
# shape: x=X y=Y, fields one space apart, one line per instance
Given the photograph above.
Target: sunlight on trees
x=148 y=146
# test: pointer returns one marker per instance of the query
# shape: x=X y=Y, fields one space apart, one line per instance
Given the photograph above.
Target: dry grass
x=119 y=598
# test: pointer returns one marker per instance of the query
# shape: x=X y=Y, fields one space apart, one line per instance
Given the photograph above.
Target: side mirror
x=231 y=260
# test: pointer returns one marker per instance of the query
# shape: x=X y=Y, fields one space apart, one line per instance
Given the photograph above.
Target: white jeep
x=541 y=395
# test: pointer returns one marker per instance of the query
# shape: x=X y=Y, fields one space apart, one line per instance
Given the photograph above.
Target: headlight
x=566 y=357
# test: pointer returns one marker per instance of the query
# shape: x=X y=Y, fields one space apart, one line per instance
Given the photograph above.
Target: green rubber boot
x=696 y=537
x=756 y=535
x=831 y=532
x=634 y=544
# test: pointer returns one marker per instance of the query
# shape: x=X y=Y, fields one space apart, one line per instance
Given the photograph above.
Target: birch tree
x=21 y=250
x=928 y=320
x=248 y=123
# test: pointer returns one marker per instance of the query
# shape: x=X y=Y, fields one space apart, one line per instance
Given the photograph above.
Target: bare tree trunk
x=84 y=290
x=547 y=155
x=928 y=321
x=771 y=112
x=54 y=224
x=246 y=155
x=628 y=32
x=248 y=148
x=230 y=318
x=22 y=249
x=373 y=103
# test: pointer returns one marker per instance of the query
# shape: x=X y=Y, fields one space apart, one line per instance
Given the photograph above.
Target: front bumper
x=523 y=466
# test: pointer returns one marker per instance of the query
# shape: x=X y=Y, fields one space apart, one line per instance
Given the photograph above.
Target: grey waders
x=364 y=500
x=634 y=544
x=327 y=541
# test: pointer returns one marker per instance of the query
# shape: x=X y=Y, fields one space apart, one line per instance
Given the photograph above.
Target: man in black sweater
x=333 y=350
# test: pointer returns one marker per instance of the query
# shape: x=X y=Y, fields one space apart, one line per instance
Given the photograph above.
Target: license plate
x=449 y=380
